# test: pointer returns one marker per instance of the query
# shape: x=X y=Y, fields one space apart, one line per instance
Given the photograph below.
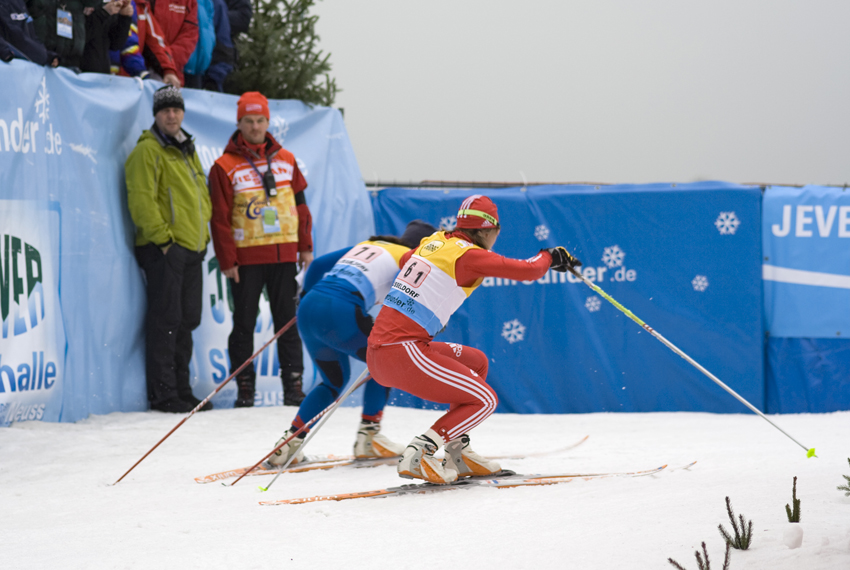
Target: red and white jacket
x=151 y=36
x=178 y=20
x=238 y=200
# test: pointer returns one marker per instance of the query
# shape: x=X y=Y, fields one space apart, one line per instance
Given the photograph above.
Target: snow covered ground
x=58 y=508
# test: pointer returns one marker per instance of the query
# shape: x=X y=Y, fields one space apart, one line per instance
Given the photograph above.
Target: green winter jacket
x=167 y=194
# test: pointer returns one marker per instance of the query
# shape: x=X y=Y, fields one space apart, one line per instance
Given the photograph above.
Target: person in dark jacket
x=61 y=27
x=107 y=28
x=18 y=38
x=223 y=55
x=239 y=14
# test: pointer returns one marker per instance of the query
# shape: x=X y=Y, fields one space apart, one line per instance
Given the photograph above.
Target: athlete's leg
x=439 y=372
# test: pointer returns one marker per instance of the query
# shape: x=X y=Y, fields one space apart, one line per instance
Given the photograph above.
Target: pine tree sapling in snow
x=743 y=536
x=793 y=514
x=847 y=486
x=704 y=565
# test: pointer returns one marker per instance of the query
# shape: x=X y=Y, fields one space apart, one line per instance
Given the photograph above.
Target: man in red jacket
x=261 y=229
x=435 y=279
x=178 y=20
x=153 y=47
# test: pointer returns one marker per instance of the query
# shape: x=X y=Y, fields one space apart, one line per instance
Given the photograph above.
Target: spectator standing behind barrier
x=107 y=28
x=239 y=14
x=18 y=38
x=145 y=46
x=261 y=230
x=224 y=54
x=170 y=205
x=61 y=27
x=178 y=20
x=333 y=319
x=212 y=60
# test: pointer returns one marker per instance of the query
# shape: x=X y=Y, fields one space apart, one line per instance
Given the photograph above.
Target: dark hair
x=474 y=234
x=390 y=239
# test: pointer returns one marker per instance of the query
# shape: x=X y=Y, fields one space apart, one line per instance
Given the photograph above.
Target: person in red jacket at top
x=435 y=279
x=261 y=228
x=178 y=20
x=153 y=47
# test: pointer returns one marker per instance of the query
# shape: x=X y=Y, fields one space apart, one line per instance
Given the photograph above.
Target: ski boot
x=370 y=443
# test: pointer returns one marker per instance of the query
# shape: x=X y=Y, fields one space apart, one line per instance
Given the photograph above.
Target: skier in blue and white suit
x=339 y=289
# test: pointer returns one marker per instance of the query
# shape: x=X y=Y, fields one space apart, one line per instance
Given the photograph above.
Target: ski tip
x=811 y=453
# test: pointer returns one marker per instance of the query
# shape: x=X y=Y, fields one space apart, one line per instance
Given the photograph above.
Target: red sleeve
x=305 y=228
x=482 y=263
x=221 y=195
x=299 y=183
x=155 y=41
x=187 y=38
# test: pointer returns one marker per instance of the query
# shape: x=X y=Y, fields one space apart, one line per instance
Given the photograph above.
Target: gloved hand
x=562 y=259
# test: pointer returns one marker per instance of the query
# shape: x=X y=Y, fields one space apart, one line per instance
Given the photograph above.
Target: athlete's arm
x=478 y=263
x=319 y=267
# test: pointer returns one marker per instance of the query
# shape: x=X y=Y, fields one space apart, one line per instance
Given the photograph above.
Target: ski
x=322 y=462
x=309 y=463
x=503 y=480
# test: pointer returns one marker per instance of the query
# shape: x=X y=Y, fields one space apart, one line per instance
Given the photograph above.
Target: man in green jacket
x=170 y=204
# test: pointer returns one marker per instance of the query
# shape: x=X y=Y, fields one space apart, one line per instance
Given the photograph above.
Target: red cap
x=478 y=212
x=252 y=103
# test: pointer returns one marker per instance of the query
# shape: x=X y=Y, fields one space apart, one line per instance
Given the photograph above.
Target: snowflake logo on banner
x=541 y=232
x=613 y=256
x=278 y=128
x=593 y=303
x=448 y=223
x=727 y=223
x=42 y=103
x=513 y=331
x=700 y=283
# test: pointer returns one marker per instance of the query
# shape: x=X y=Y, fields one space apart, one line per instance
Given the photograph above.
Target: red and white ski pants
x=442 y=372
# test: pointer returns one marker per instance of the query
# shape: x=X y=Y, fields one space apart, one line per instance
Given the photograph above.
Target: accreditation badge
x=64 y=24
x=271 y=222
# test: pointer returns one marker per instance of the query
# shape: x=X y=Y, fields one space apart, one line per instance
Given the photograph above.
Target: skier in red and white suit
x=435 y=279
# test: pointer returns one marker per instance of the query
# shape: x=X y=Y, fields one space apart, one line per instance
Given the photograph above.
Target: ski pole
x=362 y=379
x=327 y=411
x=810 y=452
x=282 y=330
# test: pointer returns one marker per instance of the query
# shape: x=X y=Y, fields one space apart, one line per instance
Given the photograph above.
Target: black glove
x=562 y=259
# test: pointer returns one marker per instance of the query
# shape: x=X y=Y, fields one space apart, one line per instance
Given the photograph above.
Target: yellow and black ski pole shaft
x=810 y=452
x=282 y=330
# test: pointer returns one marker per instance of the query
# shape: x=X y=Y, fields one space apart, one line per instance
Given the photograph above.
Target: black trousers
x=279 y=280
x=174 y=310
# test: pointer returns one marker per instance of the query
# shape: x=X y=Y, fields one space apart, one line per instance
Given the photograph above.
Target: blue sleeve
x=320 y=266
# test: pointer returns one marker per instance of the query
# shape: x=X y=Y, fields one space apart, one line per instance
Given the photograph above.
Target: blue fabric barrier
x=63 y=142
x=807 y=298
x=686 y=259
x=807 y=375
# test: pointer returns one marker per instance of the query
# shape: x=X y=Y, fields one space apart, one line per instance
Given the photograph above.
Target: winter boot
x=467 y=463
x=418 y=461
x=282 y=455
x=292 y=394
x=370 y=443
x=245 y=395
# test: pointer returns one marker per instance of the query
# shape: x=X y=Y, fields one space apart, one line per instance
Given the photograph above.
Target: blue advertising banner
x=806 y=234
x=684 y=258
x=807 y=298
x=64 y=138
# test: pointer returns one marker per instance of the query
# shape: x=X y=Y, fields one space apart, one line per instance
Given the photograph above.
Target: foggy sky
x=600 y=90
